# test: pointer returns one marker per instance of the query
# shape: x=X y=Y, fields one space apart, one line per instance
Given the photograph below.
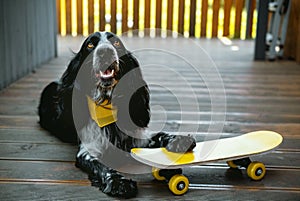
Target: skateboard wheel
x=156 y=175
x=256 y=170
x=179 y=184
x=231 y=164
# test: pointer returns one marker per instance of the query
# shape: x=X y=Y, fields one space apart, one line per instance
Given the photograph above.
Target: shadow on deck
x=258 y=95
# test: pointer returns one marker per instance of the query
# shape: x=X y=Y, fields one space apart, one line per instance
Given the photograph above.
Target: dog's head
x=108 y=60
x=107 y=72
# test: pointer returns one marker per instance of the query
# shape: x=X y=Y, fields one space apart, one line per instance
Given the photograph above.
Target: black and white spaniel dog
x=102 y=102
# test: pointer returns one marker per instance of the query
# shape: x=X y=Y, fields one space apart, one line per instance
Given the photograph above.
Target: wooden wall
x=27 y=37
x=292 y=43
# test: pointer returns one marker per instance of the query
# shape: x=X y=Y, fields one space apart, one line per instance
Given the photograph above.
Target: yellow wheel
x=256 y=170
x=231 y=164
x=155 y=173
x=179 y=184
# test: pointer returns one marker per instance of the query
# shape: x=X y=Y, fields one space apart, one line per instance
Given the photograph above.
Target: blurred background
x=195 y=18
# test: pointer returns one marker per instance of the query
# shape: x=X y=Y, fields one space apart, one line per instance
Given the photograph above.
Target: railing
x=190 y=18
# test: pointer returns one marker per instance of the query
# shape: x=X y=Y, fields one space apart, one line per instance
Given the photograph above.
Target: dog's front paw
x=181 y=144
x=121 y=187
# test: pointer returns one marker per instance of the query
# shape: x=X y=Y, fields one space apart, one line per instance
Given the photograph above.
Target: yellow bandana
x=103 y=114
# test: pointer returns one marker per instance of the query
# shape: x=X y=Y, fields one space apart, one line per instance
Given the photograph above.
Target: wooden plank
x=3 y=77
x=227 y=10
x=229 y=127
x=15 y=135
x=48 y=191
x=193 y=7
x=102 y=15
x=136 y=16
x=158 y=14
x=91 y=16
x=147 y=17
x=147 y=191
x=170 y=18
x=79 y=18
x=113 y=19
x=68 y=17
x=215 y=20
x=23 y=122
x=181 y=8
x=226 y=177
x=41 y=152
x=250 y=12
x=291 y=142
x=204 y=9
x=58 y=14
x=239 y=5
x=41 y=170
x=124 y=17
x=55 y=171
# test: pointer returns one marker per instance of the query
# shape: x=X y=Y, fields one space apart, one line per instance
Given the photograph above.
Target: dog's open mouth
x=107 y=74
x=107 y=78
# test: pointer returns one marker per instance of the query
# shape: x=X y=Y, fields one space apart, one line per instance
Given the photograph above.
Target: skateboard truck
x=177 y=182
x=255 y=170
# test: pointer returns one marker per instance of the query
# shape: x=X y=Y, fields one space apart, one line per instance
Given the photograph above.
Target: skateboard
x=234 y=150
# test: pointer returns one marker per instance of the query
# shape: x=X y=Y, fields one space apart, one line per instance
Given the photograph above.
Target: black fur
x=63 y=111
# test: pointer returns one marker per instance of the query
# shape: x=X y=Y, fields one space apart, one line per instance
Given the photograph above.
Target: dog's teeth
x=109 y=75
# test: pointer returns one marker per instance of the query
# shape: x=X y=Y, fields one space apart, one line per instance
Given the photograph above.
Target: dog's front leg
x=108 y=180
x=174 y=143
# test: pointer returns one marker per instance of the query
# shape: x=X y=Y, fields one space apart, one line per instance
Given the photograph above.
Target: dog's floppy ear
x=139 y=107
x=69 y=76
x=139 y=103
x=132 y=95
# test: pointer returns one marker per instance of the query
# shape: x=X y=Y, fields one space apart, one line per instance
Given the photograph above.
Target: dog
x=104 y=78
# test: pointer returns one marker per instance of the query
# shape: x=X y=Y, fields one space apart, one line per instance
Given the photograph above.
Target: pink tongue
x=107 y=72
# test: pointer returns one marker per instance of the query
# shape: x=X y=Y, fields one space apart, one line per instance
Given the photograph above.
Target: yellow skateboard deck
x=208 y=151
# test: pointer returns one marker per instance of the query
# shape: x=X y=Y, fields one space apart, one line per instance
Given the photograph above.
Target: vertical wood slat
x=250 y=13
x=68 y=17
x=58 y=14
x=91 y=16
x=261 y=30
x=147 y=17
x=158 y=17
x=227 y=10
x=192 y=18
x=136 y=16
x=79 y=17
x=102 y=15
x=181 y=17
x=292 y=42
x=170 y=17
x=239 y=5
x=215 y=20
x=124 y=16
x=113 y=19
x=204 y=9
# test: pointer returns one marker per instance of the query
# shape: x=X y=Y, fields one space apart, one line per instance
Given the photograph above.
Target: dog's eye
x=117 y=44
x=90 y=45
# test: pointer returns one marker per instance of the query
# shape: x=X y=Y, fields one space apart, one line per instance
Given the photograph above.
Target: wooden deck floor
x=259 y=95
